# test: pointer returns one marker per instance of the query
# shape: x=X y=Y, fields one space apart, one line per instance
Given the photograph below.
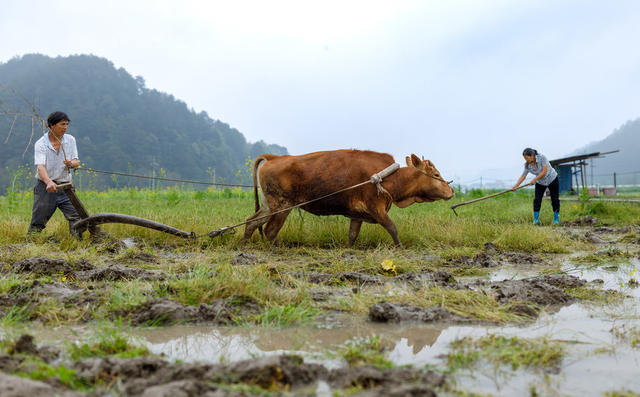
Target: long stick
x=453 y=207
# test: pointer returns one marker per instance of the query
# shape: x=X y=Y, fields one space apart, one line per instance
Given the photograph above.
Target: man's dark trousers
x=45 y=204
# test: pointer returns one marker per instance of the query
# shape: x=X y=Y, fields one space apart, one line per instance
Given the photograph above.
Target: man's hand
x=70 y=163
x=532 y=183
x=52 y=187
x=514 y=188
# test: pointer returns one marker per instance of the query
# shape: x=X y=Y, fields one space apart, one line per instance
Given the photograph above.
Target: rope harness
x=376 y=179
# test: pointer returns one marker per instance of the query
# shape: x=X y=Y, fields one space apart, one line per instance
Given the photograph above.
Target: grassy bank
x=504 y=220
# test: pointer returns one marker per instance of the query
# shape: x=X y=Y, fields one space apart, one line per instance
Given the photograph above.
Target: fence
x=595 y=182
x=614 y=179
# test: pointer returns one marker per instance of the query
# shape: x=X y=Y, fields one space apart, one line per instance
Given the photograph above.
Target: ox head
x=429 y=184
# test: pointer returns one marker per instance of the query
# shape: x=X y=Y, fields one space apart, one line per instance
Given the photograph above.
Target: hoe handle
x=453 y=207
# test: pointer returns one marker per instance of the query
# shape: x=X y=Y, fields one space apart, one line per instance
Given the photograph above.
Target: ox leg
x=386 y=222
x=274 y=225
x=354 y=230
x=252 y=226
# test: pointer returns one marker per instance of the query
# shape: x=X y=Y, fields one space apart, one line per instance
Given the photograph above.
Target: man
x=55 y=155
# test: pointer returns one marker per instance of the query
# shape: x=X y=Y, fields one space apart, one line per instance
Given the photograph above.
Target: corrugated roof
x=571 y=159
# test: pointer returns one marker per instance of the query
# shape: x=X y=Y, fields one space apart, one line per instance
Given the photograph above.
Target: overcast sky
x=467 y=84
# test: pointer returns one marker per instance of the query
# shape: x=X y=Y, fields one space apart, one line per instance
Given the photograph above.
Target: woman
x=546 y=177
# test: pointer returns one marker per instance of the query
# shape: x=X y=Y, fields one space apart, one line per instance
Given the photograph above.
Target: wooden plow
x=91 y=221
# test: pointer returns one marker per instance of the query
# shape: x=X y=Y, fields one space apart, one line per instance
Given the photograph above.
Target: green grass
x=285 y=315
x=39 y=370
x=595 y=295
x=623 y=393
x=108 y=340
x=204 y=284
x=504 y=220
x=513 y=352
x=365 y=351
x=200 y=271
x=15 y=315
x=475 y=305
x=608 y=256
x=627 y=334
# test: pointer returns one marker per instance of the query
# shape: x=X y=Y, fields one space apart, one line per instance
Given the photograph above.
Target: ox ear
x=416 y=162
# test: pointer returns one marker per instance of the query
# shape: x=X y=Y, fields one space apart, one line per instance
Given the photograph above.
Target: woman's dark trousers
x=554 y=189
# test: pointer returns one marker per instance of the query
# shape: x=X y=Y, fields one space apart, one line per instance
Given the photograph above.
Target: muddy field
x=121 y=316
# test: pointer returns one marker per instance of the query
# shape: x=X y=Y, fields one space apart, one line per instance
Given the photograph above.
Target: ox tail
x=256 y=197
x=256 y=164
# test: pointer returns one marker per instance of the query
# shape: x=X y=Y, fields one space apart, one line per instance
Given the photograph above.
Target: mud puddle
x=222 y=344
x=596 y=360
x=617 y=277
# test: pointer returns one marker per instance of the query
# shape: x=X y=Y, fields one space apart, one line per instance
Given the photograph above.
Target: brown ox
x=286 y=181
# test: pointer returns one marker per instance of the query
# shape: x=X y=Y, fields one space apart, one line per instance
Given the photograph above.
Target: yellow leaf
x=388 y=267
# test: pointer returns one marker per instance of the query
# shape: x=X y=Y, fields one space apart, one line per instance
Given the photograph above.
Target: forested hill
x=119 y=124
x=627 y=139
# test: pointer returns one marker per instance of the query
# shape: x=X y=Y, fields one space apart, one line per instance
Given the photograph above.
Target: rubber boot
x=556 y=218
x=536 y=216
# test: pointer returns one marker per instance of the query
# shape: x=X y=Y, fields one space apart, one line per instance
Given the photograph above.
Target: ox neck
x=400 y=189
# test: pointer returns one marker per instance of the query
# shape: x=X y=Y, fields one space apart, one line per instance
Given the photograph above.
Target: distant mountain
x=627 y=139
x=119 y=124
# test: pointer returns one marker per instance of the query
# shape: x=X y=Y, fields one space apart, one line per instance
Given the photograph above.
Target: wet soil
x=585 y=221
x=157 y=376
x=534 y=291
x=165 y=311
x=396 y=312
x=34 y=292
x=440 y=278
x=525 y=297
x=492 y=257
x=339 y=278
x=48 y=266
x=244 y=259
x=115 y=273
x=153 y=376
x=15 y=386
x=81 y=270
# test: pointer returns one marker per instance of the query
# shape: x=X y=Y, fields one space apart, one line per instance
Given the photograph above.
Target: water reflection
x=214 y=344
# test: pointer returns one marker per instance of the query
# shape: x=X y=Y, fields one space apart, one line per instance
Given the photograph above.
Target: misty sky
x=467 y=84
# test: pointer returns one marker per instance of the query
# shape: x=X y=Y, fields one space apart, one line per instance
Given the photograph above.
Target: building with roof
x=572 y=175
